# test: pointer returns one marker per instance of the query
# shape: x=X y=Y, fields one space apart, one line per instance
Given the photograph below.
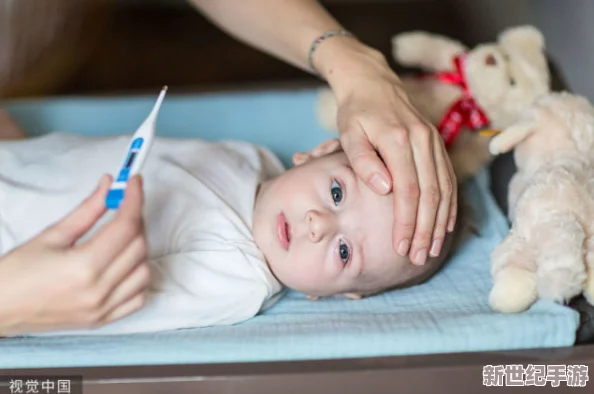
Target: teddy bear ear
x=522 y=36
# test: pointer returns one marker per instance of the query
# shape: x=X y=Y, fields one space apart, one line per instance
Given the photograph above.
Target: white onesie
x=199 y=201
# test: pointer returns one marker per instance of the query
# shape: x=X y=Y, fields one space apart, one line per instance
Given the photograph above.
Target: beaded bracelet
x=317 y=41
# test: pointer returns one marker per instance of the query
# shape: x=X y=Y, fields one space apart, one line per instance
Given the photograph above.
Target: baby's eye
x=343 y=250
x=336 y=191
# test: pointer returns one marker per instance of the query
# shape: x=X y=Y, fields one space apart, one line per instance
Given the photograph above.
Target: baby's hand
x=324 y=148
x=9 y=130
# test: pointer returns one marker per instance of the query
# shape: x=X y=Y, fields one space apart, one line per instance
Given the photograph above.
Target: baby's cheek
x=309 y=268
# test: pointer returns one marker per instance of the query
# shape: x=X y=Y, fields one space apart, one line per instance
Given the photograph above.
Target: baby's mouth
x=288 y=230
x=283 y=229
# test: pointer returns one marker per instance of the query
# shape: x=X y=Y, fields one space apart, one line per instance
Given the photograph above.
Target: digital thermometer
x=135 y=155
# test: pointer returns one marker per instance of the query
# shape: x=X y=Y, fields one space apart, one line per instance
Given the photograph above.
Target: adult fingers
x=111 y=240
x=118 y=270
x=454 y=199
x=365 y=160
x=134 y=199
x=396 y=152
x=94 y=303
x=430 y=196
x=446 y=190
x=68 y=230
x=134 y=284
x=127 y=308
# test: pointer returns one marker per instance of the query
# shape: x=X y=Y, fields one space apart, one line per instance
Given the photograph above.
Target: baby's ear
x=325 y=148
x=353 y=296
x=350 y=296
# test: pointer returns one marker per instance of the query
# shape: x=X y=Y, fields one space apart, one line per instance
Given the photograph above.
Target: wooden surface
x=147 y=45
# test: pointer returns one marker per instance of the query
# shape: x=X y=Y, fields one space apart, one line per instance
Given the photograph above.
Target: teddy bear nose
x=490 y=60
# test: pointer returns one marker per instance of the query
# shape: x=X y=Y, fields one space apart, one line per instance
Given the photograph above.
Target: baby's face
x=324 y=232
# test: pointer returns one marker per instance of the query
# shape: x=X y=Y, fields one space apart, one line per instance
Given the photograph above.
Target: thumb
x=68 y=230
x=365 y=161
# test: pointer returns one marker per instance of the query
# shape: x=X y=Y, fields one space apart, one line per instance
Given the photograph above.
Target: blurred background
x=97 y=47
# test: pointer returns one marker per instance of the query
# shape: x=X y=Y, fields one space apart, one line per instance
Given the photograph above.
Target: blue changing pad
x=449 y=313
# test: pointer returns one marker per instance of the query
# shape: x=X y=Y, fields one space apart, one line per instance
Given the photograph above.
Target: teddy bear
x=466 y=89
x=549 y=251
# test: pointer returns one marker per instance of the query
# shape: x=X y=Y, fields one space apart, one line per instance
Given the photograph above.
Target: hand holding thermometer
x=135 y=155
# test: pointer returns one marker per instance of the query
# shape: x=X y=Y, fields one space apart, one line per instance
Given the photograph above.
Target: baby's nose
x=320 y=225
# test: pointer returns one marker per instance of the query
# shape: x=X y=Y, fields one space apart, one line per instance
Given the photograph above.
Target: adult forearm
x=282 y=28
x=286 y=30
x=9 y=130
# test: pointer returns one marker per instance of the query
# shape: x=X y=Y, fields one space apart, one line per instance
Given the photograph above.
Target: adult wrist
x=344 y=62
x=8 y=323
x=10 y=311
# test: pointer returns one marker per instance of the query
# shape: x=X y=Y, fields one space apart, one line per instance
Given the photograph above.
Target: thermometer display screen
x=131 y=159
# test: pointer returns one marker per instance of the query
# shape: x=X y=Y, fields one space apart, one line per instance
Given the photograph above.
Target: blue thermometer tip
x=135 y=156
x=114 y=198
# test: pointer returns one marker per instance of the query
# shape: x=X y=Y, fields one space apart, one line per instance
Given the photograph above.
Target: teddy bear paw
x=513 y=293
x=561 y=285
x=406 y=47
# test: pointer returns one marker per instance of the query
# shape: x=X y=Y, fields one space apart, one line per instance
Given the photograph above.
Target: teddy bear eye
x=490 y=60
x=512 y=81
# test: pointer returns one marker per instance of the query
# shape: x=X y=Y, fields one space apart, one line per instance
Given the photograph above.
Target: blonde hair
x=464 y=227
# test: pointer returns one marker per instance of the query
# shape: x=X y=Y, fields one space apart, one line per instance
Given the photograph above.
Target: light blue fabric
x=447 y=314
x=284 y=121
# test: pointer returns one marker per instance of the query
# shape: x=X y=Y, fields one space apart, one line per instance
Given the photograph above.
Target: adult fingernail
x=451 y=225
x=435 y=248
x=403 y=247
x=379 y=183
x=421 y=257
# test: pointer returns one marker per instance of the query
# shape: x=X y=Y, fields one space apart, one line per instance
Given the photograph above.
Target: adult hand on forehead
x=393 y=148
x=446 y=200
x=374 y=116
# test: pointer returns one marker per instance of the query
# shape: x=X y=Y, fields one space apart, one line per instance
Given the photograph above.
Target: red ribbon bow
x=465 y=111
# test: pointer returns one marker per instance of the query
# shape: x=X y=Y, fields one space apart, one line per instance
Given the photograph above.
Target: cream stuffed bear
x=502 y=79
x=549 y=252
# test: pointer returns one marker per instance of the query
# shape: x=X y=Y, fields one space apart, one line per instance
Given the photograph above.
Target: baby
x=227 y=227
